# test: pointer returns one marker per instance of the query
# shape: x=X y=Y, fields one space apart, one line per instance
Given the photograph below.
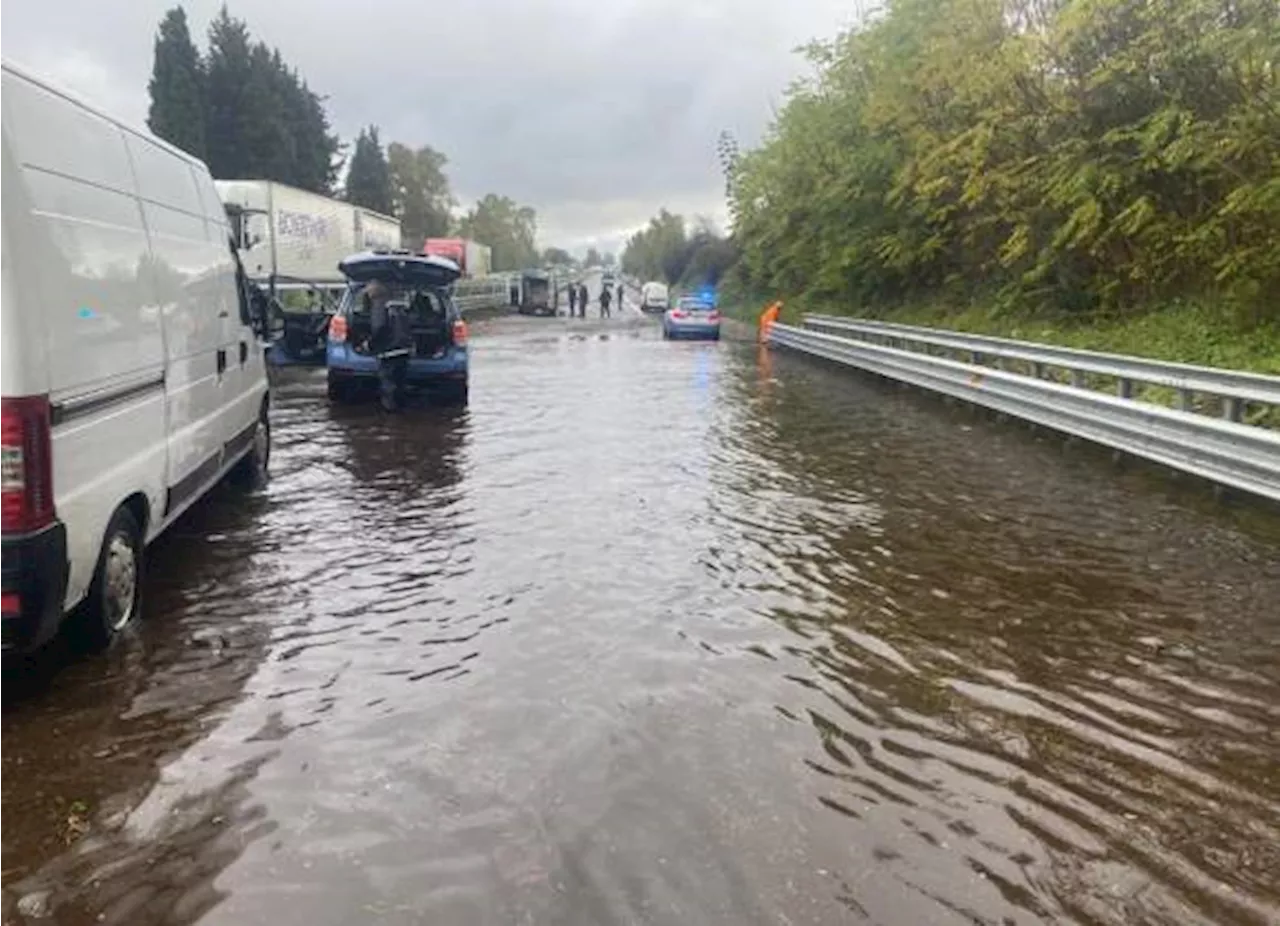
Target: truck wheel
x=251 y=470
x=115 y=595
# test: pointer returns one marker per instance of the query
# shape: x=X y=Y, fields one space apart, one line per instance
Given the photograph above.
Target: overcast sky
x=594 y=112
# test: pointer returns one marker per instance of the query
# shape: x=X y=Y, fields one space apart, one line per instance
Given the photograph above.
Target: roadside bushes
x=1072 y=155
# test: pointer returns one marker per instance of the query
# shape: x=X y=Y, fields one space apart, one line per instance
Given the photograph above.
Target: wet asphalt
x=667 y=633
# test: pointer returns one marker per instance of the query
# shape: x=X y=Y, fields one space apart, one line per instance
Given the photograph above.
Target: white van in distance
x=131 y=374
x=654 y=297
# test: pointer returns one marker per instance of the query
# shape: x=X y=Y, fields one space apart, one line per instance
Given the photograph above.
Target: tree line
x=670 y=248
x=246 y=113
x=1079 y=155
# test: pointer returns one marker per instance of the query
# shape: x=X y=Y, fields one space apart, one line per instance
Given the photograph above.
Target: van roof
x=27 y=75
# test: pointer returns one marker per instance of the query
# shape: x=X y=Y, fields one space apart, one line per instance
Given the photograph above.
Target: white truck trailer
x=291 y=239
x=290 y=243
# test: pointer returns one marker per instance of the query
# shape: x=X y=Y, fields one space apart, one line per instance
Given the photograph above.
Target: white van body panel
x=119 y=293
x=655 y=294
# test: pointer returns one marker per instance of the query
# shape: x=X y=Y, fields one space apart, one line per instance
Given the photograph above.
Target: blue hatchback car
x=398 y=311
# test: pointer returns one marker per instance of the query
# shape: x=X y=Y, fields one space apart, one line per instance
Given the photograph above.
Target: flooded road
x=672 y=634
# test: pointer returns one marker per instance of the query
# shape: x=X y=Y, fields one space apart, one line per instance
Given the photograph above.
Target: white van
x=654 y=297
x=131 y=374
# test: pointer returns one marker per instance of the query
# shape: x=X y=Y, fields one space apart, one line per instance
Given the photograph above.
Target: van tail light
x=27 y=464
x=460 y=333
x=338 y=329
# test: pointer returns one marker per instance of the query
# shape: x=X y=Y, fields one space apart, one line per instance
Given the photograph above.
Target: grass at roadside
x=1186 y=333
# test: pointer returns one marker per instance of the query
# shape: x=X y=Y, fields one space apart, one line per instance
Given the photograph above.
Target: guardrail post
x=1184 y=400
x=1232 y=409
x=1124 y=388
x=1077 y=378
x=1037 y=370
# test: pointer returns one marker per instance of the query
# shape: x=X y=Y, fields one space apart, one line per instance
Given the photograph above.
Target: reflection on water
x=671 y=633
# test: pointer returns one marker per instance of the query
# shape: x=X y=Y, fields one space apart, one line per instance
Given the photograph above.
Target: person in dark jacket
x=573 y=298
x=606 y=297
x=583 y=298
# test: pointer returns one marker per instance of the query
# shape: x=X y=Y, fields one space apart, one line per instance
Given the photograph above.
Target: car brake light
x=338 y=329
x=26 y=481
x=460 y=332
x=10 y=604
x=713 y=316
x=677 y=313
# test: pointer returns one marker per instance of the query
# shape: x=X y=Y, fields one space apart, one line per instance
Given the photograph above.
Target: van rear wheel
x=251 y=470
x=115 y=594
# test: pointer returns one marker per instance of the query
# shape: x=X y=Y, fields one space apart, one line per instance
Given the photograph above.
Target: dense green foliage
x=1073 y=155
x=240 y=108
x=666 y=250
x=508 y=228
x=369 y=178
x=250 y=116
x=557 y=257
x=420 y=189
x=177 y=86
x=262 y=121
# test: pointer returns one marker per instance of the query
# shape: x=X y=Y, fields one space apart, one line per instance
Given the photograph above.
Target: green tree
x=177 y=86
x=557 y=257
x=420 y=192
x=369 y=180
x=508 y=228
x=261 y=120
x=231 y=108
x=593 y=258
x=658 y=251
x=1077 y=155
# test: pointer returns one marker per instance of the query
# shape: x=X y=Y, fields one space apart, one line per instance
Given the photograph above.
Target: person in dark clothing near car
x=390 y=339
x=573 y=298
x=606 y=297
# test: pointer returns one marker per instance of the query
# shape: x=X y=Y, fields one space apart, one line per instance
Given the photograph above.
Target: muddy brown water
x=668 y=633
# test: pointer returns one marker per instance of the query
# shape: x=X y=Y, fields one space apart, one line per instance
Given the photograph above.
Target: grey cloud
x=595 y=113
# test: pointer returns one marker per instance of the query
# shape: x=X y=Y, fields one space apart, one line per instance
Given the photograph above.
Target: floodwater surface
x=668 y=634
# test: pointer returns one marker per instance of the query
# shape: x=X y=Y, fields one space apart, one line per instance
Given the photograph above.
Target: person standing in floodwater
x=605 y=298
x=767 y=319
x=573 y=298
x=583 y=298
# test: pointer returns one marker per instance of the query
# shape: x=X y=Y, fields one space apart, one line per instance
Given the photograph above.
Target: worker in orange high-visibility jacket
x=767 y=318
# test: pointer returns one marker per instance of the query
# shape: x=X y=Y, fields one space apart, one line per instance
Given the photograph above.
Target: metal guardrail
x=1232 y=386
x=1223 y=451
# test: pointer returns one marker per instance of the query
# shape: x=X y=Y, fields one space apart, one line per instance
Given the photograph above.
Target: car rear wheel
x=339 y=389
x=456 y=393
x=115 y=594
